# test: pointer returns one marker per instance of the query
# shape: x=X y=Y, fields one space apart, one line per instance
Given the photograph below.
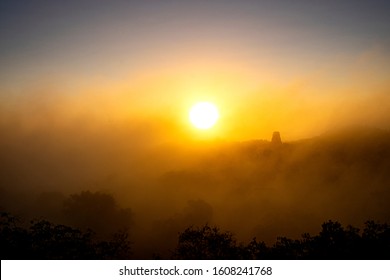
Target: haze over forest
x=251 y=188
x=94 y=129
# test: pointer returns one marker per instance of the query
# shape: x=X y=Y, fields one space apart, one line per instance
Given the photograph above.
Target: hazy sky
x=266 y=64
x=95 y=95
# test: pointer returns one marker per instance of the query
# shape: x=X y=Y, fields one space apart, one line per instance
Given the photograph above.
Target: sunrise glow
x=204 y=115
x=136 y=121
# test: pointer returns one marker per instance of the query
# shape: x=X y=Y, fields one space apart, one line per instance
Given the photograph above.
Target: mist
x=151 y=177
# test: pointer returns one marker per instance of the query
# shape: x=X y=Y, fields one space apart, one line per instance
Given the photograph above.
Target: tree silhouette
x=206 y=243
x=286 y=248
x=118 y=247
x=96 y=211
x=376 y=240
x=44 y=240
x=332 y=242
x=255 y=250
x=14 y=241
x=50 y=241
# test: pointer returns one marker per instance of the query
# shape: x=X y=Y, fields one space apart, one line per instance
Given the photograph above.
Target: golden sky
x=95 y=95
x=267 y=65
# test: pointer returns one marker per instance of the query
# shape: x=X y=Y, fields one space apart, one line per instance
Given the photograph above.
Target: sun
x=204 y=115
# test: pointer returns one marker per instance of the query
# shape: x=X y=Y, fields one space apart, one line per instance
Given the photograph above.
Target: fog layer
x=149 y=177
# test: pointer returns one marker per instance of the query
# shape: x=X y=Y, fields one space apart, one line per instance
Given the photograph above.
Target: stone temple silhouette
x=276 y=138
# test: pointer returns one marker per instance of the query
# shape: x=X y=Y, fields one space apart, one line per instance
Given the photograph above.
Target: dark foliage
x=96 y=211
x=44 y=240
x=206 y=243
x=333 y=242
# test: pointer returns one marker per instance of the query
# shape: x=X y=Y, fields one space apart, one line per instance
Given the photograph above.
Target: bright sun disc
x=203 y=115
